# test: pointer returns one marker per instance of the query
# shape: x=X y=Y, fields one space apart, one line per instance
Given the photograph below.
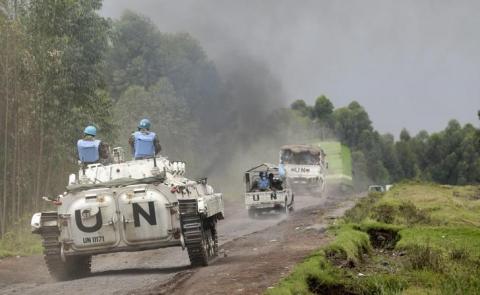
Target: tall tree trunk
x=13 y=193
x=19 y=171
x=5 y=142
x=39 y=162
x=47 y=186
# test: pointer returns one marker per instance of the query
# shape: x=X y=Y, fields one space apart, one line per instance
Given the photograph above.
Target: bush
x=384 y=213
x=425 y=257
x=412 y=214
x=20 y=241
x=348 y=247
x=380 y=284
x=464 y=281
x=362 y=209
x=459 y=254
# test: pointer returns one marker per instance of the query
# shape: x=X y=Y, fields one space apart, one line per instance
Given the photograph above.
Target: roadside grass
x=19 y=241
x=339 y=171
x=347 y=160
x=415 y=239
x=338 y=157
x=348 y=247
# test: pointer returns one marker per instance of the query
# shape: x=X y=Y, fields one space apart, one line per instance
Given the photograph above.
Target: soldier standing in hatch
x=144 y=143
x=91 y=150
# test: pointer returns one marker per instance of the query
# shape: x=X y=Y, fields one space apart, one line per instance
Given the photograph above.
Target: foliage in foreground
x=52 y=55
x=20 y=241
x=424 y=237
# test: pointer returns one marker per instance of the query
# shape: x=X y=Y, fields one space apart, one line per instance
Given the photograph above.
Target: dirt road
x=248 y=244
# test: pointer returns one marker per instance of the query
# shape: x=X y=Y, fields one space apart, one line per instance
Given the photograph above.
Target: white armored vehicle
x=304 y=166
x=266 y=191
x=129 y=206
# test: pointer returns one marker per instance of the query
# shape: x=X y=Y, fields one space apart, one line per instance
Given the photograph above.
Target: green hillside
x=415 y=239
x=339 y=161
x=338 y=157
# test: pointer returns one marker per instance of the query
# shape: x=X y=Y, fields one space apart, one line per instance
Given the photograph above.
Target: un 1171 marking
x=93 y=240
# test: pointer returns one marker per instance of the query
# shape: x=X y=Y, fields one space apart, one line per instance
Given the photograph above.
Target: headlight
x=201 y=205
x=35 y=223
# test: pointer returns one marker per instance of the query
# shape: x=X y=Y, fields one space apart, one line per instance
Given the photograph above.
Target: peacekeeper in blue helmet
x=263 y=182
x=144 y=143
x=90 y=149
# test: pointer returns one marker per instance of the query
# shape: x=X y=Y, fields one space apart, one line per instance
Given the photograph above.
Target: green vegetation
x=339 y=158
x=339 y=172
x=415 y=239
x=52 y=87
x=19 y=241
x=451 y=156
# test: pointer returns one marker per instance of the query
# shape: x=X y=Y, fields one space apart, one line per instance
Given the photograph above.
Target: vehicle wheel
x=324 y=189
x=286 y=209
x=252 y=213
x=72 y=268
x=201 y=240
x=211 y=242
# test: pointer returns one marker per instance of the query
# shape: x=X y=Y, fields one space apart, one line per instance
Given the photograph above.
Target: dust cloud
x=412 y=64
x=254 y=86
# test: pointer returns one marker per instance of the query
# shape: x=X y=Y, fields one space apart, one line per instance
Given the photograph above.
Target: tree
x=359 y=171
x=168 y=113
x=51 y=58
x=301 y=107
x=134 y=57
x=406 y=156
x=68 y=42
x=350 y=123
x=390 y=157
x=323 y=108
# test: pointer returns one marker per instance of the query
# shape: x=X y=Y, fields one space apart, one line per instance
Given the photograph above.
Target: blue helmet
x=144 y=124
x=90 y=130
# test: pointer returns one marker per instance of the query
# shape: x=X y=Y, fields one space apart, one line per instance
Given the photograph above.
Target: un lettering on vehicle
x=93 y=240
x=300 y=170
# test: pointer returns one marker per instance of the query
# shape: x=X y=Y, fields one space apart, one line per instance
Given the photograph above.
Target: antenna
x=83 y=165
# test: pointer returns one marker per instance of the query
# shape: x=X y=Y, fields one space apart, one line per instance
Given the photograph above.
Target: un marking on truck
x=301 y=170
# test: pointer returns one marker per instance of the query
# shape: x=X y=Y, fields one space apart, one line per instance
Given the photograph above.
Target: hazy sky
x=410 y=63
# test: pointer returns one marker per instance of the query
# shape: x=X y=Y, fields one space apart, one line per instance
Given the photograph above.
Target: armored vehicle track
x=71 y=267
x=200 y=234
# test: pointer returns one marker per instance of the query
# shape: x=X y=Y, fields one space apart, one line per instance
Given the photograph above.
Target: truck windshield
x=303 y=158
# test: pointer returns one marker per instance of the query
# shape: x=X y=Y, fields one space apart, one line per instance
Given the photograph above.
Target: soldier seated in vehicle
x=275 y=183
x=143 y=142
x=263 y=182
x=91 y=150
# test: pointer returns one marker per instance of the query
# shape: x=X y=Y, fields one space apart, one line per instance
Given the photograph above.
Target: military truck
x=128 y=206
x=304 y=166
x=274 y=195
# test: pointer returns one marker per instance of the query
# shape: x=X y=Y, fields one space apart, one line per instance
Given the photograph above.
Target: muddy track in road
x=255 y=254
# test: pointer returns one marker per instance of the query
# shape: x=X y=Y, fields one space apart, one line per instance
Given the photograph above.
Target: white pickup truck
x=266 y=191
